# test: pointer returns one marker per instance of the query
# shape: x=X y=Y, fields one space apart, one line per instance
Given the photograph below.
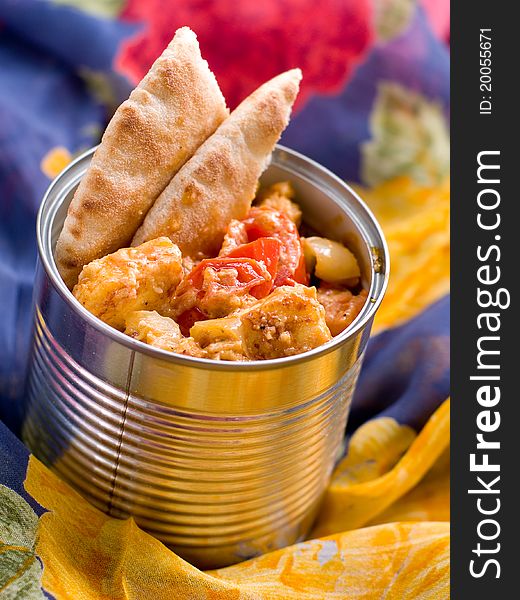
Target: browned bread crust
x=219 y=182
x=167 y=117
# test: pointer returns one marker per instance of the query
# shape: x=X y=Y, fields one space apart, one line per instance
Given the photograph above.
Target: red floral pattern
x=247 y=42
x=438 y=12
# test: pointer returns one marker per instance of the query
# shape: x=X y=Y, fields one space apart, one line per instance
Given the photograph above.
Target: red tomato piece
x=264 y=222
x=299 y=275
x=266 y=250
x=188 y=318
x=251 y=275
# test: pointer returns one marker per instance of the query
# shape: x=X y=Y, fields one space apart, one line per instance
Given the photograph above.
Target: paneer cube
x=160 y=332
x=288 y=321
x=140 y=278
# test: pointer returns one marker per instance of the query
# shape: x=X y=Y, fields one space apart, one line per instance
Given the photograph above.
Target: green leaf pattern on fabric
x=99 y=8
x=20 y=570
x=102 y=89
x=392 y=17
x=410 y=137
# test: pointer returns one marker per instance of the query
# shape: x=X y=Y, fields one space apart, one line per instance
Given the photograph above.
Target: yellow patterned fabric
x=359 y=549
x=415 y=220
x=389 y=462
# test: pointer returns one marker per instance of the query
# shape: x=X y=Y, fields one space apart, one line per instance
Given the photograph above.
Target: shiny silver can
x=221 y=461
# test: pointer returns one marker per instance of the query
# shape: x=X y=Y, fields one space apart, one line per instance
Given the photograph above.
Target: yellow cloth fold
x=349 y=504
x=415 y=220
x=87 y=555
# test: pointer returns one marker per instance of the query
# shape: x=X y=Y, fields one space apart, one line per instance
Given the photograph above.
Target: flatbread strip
x=168 y=116
x=219 y=183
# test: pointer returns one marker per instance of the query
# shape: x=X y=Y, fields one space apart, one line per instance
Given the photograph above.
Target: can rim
x=379 y=279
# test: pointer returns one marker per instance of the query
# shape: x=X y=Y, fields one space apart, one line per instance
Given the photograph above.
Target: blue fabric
x=13 y=460
x=406 y=373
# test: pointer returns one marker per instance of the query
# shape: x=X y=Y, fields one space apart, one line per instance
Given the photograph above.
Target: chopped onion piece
x=332 y=262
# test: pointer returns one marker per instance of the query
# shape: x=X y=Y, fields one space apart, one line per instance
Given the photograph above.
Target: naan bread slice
x=219 y=183
x=168 y=116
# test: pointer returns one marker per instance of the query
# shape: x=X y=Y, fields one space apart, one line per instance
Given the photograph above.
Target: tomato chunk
x=266 y=250
x=264 y=222
x=251 y=275
x=218 y=286
x=188 y=318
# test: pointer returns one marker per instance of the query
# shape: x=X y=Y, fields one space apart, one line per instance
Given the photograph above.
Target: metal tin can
x=221 y=461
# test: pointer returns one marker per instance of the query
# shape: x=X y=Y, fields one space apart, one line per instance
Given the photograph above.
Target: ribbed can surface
x=220 y=461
